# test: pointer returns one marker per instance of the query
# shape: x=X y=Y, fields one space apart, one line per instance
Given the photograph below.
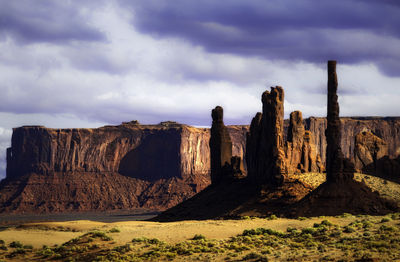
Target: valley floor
x=344 y=237
x=336 y=238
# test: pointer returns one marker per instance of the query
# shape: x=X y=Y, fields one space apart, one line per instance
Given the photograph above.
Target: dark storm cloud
x=350 y=31
x=46 y=21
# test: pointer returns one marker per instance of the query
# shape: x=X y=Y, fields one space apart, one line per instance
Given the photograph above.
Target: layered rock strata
x=387 y=128
x=266 y=163
x=130 y=166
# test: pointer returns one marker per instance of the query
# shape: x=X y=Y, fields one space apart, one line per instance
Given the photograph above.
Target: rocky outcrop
x=145 y=166
x=145 y=152
x=310 y=159
x=266 y=163
x=340 y=193
x=337 y=166
x=368 y=149
x=371 y=157
x=300 y=149
x=152 y=166
x=387 y=128
x=220 y=146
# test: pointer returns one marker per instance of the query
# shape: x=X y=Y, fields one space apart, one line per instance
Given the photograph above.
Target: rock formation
x=371 y=157
x=337 y=167
x=145 y=166
x=295 y=139
x=340 y=193
x=220 y=146
x=368 y=148
x=310 y=160
x=130 y=166
x=266 y=163
x=387 y=128
x=300 y=148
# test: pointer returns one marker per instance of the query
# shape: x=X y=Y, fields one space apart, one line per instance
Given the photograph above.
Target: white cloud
x=151 y=79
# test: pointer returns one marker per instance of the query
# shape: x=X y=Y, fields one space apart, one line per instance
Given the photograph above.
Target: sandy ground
x=38 y=234
x=51 y=233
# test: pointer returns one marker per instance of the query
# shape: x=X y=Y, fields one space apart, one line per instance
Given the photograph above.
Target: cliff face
x=387 y=128
x=135 y=166
x=144 y=152
x=114 y=167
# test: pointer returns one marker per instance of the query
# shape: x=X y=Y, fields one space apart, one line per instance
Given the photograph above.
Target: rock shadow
x=157 y=157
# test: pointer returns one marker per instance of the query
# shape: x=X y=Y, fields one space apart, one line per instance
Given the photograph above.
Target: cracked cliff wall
x=387 y=128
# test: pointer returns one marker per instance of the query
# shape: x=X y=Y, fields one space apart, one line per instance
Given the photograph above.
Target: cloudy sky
x=90 y=63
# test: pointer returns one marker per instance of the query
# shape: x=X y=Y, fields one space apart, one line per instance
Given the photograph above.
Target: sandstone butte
x=155 y=167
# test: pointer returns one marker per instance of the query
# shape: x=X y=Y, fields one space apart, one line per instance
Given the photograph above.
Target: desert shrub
x=272 y=217
x=123 y=249
x=302 y=218
x=198 y=237
x=16 y=244
x=154 y=241
x=28 y=247
x=45 y=252
x=385 y=228
x=344 y=215
x=3 y=247
x=367 y=234
x=245 y=218
x=349 y=229
x=170 y=255
x=99 y=234
x=114 y=230
x=385 y=219
x=308 y=230
x=139 y=240
x=17 y=251
x=255 y=257
x=366 y=224
x=395 y=216
x=2 y=242
x=326 y=222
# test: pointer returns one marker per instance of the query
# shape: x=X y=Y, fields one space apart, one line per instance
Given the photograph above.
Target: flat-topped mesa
x=337 y=167
x=220 y=145
x=266 y=162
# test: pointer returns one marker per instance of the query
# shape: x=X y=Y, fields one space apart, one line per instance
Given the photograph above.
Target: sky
x=91 y=63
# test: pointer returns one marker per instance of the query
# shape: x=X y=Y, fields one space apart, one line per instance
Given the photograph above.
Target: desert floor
x=345 y=237
x=341 y=238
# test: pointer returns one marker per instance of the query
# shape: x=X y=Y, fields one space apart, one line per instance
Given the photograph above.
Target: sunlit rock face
x=266 y=162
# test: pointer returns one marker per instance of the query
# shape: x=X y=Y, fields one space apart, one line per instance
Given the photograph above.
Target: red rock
x=220 y=146
x=300 y=149
x=266 y=162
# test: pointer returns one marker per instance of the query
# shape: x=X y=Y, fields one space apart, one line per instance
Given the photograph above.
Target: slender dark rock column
x=337 y=167
x=220 y=145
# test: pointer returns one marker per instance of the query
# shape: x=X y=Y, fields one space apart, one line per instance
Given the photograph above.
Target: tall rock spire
x=337 y=167
x=220 y=145
x=265 y=157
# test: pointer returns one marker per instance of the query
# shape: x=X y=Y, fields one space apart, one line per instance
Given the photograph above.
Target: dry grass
x=251 y=239
x=386 y=189
x=345 y=237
